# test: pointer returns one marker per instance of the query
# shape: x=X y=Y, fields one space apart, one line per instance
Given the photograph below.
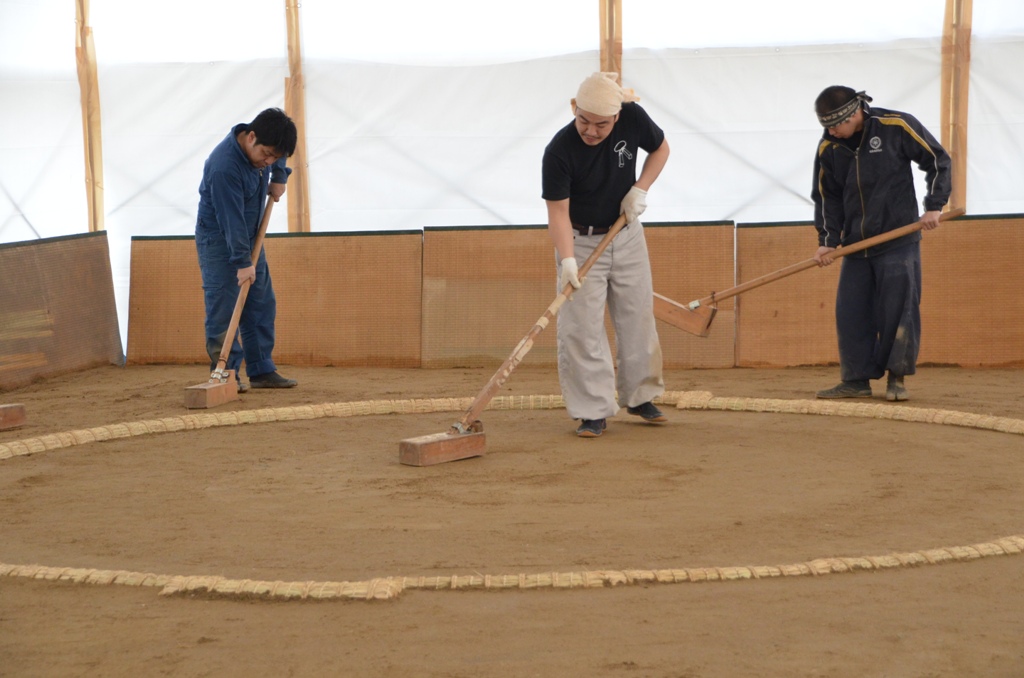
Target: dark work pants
x=878 y=317
x=256 y=325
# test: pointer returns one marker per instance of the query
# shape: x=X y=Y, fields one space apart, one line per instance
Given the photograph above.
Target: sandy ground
x=327 y=500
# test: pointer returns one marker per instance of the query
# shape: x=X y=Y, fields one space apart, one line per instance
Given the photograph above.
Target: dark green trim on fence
x=317 y=234
x=687 y=224
x=504 y=227
x=772 y=224
x=56 y=238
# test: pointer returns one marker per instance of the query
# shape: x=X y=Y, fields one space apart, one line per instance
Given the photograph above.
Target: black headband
x=844 y=112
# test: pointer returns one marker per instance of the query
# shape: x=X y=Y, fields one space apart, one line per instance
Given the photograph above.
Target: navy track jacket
x=863 y=192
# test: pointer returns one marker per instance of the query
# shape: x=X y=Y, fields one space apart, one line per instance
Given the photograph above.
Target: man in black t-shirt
x=589 y=179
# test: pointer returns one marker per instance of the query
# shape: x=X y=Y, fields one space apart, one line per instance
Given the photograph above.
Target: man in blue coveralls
x=244 y=168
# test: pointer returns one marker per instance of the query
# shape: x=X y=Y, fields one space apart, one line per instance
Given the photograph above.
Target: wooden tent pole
x=88 y=85
x=956 y=67
x=295 y=105
x=611 y=36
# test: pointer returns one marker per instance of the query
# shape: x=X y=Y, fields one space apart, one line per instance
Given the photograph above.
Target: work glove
x=634 y=204
x=570 y=274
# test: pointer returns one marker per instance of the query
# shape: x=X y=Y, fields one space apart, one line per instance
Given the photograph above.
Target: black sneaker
x=847 y=389
x=648 y=412
x=591 y=428
x=271 y=380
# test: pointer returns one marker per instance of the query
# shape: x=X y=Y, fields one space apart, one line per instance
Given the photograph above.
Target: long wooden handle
x=236 y=315
x=812 y=262
x=526 y=343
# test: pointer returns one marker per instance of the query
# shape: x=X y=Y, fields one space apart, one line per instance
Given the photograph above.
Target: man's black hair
x=275 y=129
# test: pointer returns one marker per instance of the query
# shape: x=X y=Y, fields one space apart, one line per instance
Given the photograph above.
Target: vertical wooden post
x=611 y=36
x=88 y=85
x=295 y=106
x=956 y=68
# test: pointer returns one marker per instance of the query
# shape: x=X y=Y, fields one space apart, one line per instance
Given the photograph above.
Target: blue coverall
x=232 y=198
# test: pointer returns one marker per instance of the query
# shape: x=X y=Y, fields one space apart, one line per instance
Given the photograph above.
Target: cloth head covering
x=840 y=115
x=600 y=94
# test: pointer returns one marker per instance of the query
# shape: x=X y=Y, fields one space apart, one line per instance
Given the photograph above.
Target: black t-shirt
x=596 y=178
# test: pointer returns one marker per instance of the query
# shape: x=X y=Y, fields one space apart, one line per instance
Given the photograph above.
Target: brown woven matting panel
x=483 y=290
x=790 y=321
x=57 y=309
x=690 y=261
x=972 y=309
x=349 y=300
x=972 y=303
x=165 y=303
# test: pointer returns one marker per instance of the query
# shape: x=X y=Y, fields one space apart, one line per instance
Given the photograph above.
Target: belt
x=593 y=230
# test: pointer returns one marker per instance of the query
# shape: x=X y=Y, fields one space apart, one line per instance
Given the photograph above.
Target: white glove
x=570 y=274
x=634 y=204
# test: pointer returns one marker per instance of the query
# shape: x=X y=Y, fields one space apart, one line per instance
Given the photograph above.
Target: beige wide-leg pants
x=621 y=278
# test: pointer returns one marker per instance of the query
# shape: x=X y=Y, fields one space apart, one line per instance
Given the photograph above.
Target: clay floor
x=325 y=500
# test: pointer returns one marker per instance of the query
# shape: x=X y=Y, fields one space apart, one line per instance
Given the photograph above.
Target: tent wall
x=397 y=147
x=365 y=299
x=400 y=146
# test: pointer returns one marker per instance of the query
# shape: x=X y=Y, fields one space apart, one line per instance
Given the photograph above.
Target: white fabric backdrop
x=446 y=140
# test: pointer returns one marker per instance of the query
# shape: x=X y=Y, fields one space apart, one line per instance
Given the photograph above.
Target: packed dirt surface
x=326 y=500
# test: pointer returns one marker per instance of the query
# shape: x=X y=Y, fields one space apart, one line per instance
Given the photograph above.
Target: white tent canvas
x=436 y=114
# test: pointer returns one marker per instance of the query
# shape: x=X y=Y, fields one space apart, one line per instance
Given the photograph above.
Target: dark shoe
x=591 y=428
x=894 y=390
x=847 y=389
x=242 y=387
x=271 y=380
x=648 y=412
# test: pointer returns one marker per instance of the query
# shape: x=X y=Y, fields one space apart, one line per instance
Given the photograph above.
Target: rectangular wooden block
x=438 y=448
x=11 y=416
x=205 y=396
